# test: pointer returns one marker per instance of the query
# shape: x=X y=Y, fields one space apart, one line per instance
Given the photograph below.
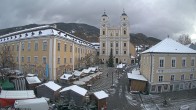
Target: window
x=191 y=76
x=172 y=77
x=70 y=48
x=22 y=59
x=161 y=63
x=124 y=44
x=75 y=49
x=160 y=78
x=44 y=46
x=36 y=46
x=103 y=32
x=64 y=60
x=35 y=59
x=17 y=59
x=103 y=44
x=182 y=77
x=78 y=50
x=40 y=32
x=124 y=32
x=59 y=46
x=117 y=52
x=173 y=63
x=111 y=44
x=28 y=59
x=65 y=47
x=70 y=60
x=192 y=62
x=116 y=44
x=17 y=47
x=124 y=52
x=12 y=47
x=116 y=34
x=153 y=88
x=183 y=62
x=22 y=46
x=58 y=60
x=103 y=52
x=44 y=60
x=29 y=46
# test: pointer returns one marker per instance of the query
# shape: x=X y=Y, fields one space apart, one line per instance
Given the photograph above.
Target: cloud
x=157 y=18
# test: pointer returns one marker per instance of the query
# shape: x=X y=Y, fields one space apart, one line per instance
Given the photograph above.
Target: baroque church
x=117 y=40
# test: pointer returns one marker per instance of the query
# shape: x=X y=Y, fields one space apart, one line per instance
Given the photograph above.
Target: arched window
x=125 y=32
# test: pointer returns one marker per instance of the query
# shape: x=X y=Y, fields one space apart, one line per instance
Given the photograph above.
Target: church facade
x=117 y=40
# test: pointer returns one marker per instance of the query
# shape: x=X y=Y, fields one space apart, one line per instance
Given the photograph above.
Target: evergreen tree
x=111 y=60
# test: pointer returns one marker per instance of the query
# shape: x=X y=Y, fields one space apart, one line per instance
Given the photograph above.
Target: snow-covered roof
x=31 y=75
x=86 y=70
x=25 y=94
x=169 y=45
x=33 y=104
x=33 y=80
x=120 y=65
x=79 y=82
x=136 y=77
x=77 y=73
x=101 y=94
x=76 y=89
x=92 y=68
x=43 y=31
x=135 y=71
x=86 y=79
x=66 y=76
x=52 y=85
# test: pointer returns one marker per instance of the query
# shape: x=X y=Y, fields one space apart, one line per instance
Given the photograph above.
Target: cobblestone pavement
x=105 y=81
x=174 y=100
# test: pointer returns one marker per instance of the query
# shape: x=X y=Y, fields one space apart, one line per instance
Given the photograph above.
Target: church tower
x=116 y=39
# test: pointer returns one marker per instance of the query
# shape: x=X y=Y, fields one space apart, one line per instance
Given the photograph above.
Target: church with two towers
x=117 y=40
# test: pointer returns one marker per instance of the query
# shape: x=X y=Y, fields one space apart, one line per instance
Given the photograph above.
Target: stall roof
x=33 y=104
x=76 y=89
x=136 y=77
x=101 y=94
x=33 y=80
x=52 y=85
x=86 y=70
x=66 y=76
x=77 y=73
x=135 y=71
x=17 y=94
x=120 y=65
x=79 y=83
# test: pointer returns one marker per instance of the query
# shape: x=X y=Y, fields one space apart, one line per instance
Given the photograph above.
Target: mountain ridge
x=85 y=31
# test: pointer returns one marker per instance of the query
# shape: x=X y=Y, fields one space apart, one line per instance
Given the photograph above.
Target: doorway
x=116 y=60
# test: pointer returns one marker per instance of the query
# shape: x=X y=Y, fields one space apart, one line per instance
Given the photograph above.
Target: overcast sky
x=156 y=18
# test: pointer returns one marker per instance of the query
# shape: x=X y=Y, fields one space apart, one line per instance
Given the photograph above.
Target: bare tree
x=6 y=59
x=184 y=39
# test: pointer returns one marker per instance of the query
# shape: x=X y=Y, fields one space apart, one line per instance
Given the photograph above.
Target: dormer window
x=59 y=33
x=20 y=35
x=124 y=18
x=15 y=36
x=26 y=34
x=32 y=33
x=7 y=38
x=103 y=19
x=11 y=37
x=40 y=32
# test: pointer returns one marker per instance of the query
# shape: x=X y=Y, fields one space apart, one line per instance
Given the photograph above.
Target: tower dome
x=124 y=14
x=104 y=14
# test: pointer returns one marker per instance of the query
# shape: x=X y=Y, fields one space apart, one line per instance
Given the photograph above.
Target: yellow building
x=169 y=66
x=46 y=50
x=117 y=39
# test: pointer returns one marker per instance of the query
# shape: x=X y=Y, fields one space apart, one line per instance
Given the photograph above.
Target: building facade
x=116 y=39
x=46 y=50
x=169 y=66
